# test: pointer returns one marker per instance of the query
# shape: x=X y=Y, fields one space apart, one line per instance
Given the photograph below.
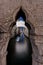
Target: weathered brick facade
x=33 y=10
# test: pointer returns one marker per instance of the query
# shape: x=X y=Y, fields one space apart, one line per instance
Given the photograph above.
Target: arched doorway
x=24 y=58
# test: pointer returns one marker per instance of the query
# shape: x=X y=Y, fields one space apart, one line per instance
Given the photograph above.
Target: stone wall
x=34 y=16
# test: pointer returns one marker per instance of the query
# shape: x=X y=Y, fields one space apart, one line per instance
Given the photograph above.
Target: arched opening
x=21 y=57
x=20 y=13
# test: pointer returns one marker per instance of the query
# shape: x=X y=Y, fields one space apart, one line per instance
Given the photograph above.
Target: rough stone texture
x=34 y=13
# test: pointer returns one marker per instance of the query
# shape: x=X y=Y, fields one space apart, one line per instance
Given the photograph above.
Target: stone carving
x=34 y=17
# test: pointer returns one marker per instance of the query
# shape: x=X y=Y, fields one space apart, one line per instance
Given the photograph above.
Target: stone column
x=3 y=58
x=3 y=49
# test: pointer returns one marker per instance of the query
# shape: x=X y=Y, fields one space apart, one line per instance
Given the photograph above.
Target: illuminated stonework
x=33 y=10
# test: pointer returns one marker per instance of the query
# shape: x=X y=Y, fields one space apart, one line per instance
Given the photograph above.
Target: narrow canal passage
x=19 y=46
